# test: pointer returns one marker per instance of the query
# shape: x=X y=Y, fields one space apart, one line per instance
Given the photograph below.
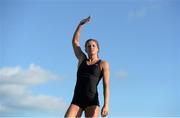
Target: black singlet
x=85 y=92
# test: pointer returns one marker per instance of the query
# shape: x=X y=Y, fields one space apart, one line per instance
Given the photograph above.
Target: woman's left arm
x=106 y=75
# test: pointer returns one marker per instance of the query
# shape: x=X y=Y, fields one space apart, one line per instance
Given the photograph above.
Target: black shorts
x=84 y=102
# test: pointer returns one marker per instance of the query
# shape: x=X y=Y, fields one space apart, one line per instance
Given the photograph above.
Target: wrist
x=79 y=26
x=106 y=105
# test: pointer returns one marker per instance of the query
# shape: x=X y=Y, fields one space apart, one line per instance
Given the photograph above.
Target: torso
x=88 y=77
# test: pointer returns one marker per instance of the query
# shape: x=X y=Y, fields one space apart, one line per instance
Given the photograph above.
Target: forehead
x=91 y=43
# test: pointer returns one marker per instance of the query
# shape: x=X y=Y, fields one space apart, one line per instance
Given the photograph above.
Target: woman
x=90 y=71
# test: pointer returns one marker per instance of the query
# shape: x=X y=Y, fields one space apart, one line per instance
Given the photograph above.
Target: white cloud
x=2 y=108
x=43 y=102
x=16 y=96
x=33 y=75
x=121 y=74
x=12 y=90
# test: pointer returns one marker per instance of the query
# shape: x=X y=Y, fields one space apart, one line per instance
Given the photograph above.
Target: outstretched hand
x=84 y=21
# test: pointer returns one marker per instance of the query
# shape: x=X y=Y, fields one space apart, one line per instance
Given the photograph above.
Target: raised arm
x=75 y=41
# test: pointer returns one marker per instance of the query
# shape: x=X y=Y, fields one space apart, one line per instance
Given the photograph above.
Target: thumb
x=103 y=113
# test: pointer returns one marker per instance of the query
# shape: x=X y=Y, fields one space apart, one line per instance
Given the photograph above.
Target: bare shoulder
x=80 y=60
x=104 y=65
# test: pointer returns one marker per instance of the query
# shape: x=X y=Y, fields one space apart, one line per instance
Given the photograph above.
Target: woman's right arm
x=75 y=41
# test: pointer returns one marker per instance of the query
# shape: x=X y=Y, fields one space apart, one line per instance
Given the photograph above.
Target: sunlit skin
x=92 y=51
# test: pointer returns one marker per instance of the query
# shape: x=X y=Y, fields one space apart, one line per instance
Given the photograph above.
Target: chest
x=89 y=69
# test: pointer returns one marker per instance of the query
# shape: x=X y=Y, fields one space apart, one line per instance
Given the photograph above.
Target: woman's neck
x=93 y=58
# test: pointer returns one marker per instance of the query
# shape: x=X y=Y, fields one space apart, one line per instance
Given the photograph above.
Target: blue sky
x=139 y=39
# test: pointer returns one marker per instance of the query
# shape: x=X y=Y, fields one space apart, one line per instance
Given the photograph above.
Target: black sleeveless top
x=88 y=77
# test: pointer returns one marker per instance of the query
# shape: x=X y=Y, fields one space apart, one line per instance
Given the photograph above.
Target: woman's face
x=91 y=47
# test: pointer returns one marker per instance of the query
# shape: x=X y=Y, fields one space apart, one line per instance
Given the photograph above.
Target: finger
x=89 y=18
x=85 y=21
x=103 y=113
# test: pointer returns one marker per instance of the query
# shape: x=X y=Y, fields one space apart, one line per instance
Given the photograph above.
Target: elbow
x=106 y=89
x=74 y=42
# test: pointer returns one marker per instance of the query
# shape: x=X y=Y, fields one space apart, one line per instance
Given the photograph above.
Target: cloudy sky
x=139 y=38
